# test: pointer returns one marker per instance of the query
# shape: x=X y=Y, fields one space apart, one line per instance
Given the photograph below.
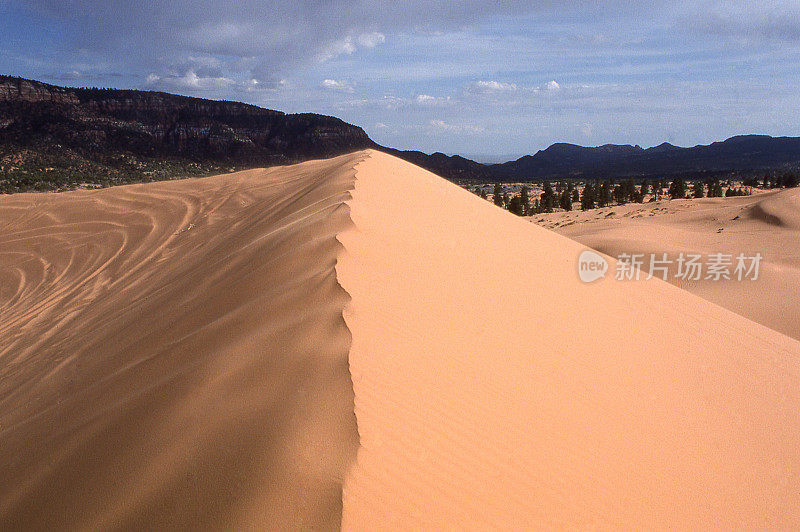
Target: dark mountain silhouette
x=564 y=158
x=453 y=167
x=663 y=147
x=746 y=154
x=58 y=137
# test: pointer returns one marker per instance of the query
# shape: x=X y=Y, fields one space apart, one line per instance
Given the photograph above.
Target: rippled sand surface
x=174 y=354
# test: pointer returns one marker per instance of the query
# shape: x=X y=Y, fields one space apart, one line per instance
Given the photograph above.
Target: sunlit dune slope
x=494 y=389
x=174 y=354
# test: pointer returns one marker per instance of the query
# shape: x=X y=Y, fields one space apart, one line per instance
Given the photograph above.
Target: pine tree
x=698 y=189
x=565 y=202
x=619 y=195
x=714 y=188
x=587 y=198
x=548 y=198
x=630 y=191
x=751 y=181
x=497 y=196
x=515 y=206
x=677 y=190
x=603 y=194
x=524 y=200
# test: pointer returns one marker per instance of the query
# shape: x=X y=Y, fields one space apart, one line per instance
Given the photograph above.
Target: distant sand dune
x=357 y=342
x=767 y=223
x=781 y=209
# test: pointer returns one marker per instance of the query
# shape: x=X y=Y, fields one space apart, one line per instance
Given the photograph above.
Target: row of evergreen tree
x=605 y=193
x=774 y=180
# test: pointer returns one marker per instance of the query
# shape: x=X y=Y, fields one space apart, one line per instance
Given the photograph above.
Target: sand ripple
x=174 y=353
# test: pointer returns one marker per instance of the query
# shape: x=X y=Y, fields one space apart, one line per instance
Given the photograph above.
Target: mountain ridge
x=740 y=154
x=53 y=136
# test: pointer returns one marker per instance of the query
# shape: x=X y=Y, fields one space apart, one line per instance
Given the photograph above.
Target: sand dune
x=174 y=354
x=781 y=208
x=493 y=389
x=177 y=354
x=767 y=223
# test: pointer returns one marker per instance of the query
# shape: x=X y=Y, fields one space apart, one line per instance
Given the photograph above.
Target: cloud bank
x=465 y=77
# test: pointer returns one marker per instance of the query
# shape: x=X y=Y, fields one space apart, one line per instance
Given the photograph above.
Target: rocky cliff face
x=23 y=90
x=129 y=132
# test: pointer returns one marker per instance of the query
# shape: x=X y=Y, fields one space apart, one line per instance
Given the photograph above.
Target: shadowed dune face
x=174 y=354
x=767 y=223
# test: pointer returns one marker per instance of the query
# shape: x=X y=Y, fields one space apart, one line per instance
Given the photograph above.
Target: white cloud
x=392 y=102
x=252 y=85
x=189 y=81
x=347 y=45
x=441 y=125
x=337 y=85
x=492 y=86
x=371 y=40
x=336 y=48
x=552 y=86
x=427 y=99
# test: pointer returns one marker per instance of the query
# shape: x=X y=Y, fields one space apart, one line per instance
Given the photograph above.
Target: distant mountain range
x=53 y=137
x=745 y=154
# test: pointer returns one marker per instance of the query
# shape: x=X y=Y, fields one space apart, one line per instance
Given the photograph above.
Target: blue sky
x=487 y=80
